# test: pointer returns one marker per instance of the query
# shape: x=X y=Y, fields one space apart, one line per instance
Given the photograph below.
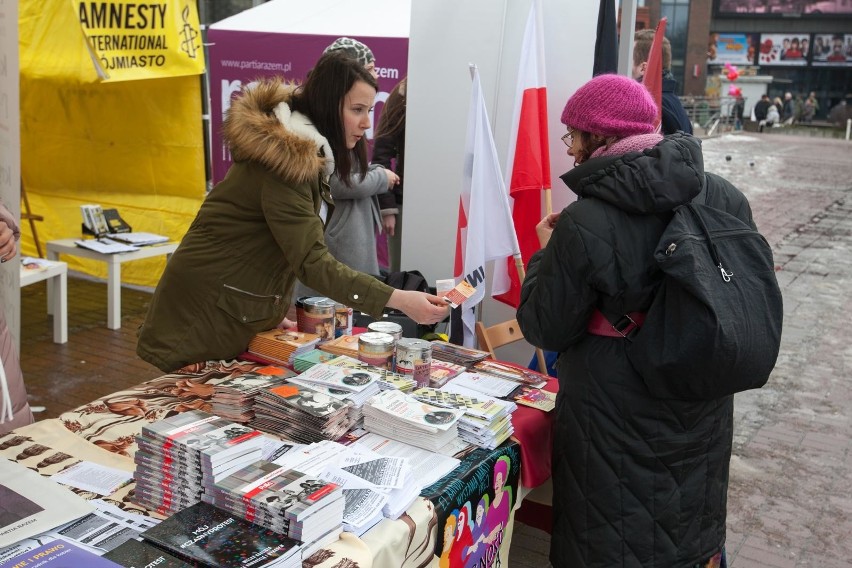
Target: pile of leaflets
x=387 y=379
x=182 y=456
x=287 y=501
x=354 y=384
x=343 y=345
x=505 y=371
x=204 y=535
x=301 y=414
x=282 y=346
x=402 y=417
x=464 y=356
x=442 y=371
x=233 y=396
x=486 y=422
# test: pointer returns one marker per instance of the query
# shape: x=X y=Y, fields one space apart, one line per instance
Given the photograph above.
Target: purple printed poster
x=239 y=57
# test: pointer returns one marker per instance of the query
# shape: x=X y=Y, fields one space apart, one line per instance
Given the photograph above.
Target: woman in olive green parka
x=261 y=228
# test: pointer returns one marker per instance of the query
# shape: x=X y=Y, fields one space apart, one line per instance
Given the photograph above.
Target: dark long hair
x=320 y=97
x=392 y=120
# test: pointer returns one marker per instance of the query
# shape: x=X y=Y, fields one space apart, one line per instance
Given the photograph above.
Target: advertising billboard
x=832 y=50
x=789 y=49
x=816 y=8
x=734 y=48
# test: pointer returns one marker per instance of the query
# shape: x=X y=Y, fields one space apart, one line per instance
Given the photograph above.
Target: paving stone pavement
x=789 y=498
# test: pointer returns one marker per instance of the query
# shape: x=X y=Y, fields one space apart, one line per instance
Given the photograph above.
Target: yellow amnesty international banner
x=129 y=39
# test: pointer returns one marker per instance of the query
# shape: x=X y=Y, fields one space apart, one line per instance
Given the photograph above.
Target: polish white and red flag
x=484 y=229
x=528 y=165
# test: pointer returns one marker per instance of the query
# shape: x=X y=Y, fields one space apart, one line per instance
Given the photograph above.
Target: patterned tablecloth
x=104 y=431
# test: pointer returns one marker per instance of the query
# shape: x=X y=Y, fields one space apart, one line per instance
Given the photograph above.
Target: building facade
x=797 y=46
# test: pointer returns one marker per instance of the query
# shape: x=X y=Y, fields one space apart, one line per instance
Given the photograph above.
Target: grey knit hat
x=353 y=48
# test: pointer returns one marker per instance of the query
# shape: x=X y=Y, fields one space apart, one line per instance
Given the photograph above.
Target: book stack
x=442 y=371
x=356 y=385
x=284 y=500
x=301 y=414
x=208 y=536
x=138 y=553
x=343 y=345
x=140 y=239
x=233 y=396
x=282 y=346
x=402 y=417
x=518 y=374
x=183 y=455
x=305 y=361
x=386 y=378
x=467 y=358
x=486 y=422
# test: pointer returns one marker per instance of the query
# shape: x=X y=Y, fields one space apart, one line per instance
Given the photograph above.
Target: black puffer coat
x=637 y=481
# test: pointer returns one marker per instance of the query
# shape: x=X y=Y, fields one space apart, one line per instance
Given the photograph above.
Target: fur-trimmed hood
x=260 y=127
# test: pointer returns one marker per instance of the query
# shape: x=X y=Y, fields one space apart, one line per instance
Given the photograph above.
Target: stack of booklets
x=282 y=346
x=463 y=356
x=487 y=422
x=183 y=455
x=303 y=507
x=355 y=384
x=343 y=345
x=387 y=379
x=139 y=553
x=139 y=239
x=518 y=374
x=233 y=396
x=305 y=361
x=208 y=536
x=302 y=414
x=442 y=371
x=402 y=417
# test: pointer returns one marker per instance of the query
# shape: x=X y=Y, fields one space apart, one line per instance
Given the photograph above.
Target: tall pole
x=625 y=41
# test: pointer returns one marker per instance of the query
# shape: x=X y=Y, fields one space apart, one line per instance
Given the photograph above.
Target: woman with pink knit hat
x=637 y=481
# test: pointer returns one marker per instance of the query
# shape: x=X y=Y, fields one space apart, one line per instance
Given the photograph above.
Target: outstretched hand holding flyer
x=460 y=293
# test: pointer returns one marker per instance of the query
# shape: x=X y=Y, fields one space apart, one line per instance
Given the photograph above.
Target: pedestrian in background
x=674 y=117
x=637 y=481
x=389 y=151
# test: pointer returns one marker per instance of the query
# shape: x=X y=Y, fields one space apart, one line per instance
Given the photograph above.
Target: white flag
x=485 y=230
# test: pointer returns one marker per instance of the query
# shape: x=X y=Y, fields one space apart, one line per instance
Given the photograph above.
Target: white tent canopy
x=372 y=18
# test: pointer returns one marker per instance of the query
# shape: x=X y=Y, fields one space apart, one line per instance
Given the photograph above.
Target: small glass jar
x=414 y=359
x=316 y=316
x=376 y=349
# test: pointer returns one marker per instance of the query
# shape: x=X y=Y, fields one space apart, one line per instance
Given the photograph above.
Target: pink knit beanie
x=611 y=105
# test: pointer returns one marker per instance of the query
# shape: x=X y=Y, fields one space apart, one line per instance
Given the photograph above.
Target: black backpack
x=714 y=325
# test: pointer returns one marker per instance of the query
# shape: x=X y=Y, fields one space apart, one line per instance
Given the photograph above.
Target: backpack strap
x=625 y=327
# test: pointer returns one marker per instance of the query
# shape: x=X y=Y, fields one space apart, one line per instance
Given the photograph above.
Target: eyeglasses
x=569 y=137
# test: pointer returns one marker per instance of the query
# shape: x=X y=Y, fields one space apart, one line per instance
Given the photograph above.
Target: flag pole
x=519 y=266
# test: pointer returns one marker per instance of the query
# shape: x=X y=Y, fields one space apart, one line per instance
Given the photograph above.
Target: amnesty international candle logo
x=188 y=35
x=130 y=40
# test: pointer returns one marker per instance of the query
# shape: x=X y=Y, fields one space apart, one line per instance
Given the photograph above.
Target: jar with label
x=342 y=320
x=316 y=316
x=414 y=359
x=376 y=349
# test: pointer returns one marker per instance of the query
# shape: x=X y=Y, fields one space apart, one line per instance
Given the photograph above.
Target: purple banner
x=239 y=57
